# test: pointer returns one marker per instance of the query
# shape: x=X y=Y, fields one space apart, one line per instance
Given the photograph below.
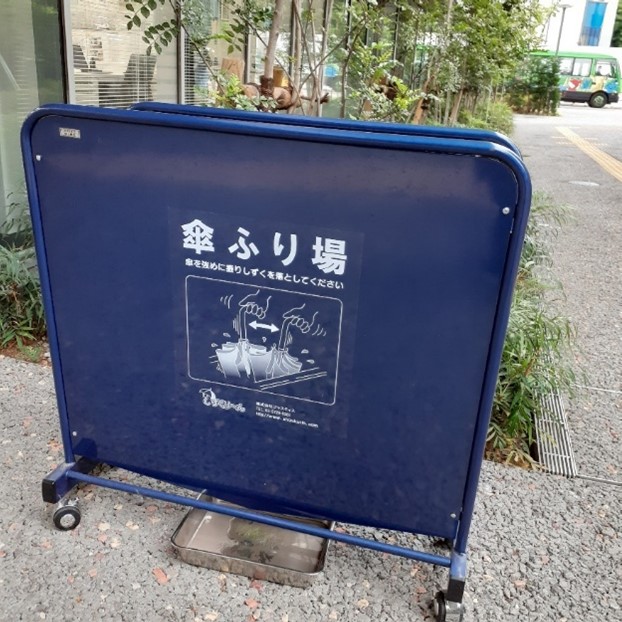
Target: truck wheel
x=598 y=100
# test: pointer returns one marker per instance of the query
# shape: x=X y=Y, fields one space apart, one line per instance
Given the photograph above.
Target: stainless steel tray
x=251 y=549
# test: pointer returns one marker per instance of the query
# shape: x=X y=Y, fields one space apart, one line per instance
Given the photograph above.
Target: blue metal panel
x=358 y=391
x=332 y=124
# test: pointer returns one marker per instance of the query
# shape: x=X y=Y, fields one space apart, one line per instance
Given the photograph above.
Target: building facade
x=580 y=24
x=82 y=52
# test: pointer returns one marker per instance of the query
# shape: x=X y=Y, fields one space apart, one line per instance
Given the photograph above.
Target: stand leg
x=448 y=606
x=58 y=484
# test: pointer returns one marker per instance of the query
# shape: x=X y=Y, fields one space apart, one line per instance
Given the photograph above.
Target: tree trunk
x=315 y=86
x=447 y=107
x=349 y=46
x=423 y=104
x=297 y=60
x=266 y=86
x=328 y=12
x=455 y=109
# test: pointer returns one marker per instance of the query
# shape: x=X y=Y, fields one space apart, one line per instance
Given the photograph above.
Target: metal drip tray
x=251 y=549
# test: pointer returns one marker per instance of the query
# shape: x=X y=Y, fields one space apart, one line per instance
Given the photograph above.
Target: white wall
x=573 y=21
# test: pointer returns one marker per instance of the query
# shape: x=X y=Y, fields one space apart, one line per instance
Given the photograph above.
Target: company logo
x=211 y=399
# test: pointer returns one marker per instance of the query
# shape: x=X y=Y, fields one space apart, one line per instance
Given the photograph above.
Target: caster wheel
x=67 y=516
x=447 y=611
x=439 y=607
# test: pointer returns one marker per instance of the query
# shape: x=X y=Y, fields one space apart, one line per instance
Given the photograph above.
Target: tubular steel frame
x=60 y=482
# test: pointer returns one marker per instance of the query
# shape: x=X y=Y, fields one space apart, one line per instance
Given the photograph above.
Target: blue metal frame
x=74 y=476
x=374 y=127
x=72 y=473
x=431 y=144
x=46 y=291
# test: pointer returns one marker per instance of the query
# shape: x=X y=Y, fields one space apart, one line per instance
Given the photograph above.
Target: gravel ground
x=595 y=416
x=542 y=548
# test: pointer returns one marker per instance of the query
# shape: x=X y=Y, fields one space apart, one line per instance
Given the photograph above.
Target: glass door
x=31 y=74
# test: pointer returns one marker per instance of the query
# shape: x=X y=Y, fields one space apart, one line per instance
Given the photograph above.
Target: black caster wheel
x=67 y=516
x=439 y=607
x=447 y=611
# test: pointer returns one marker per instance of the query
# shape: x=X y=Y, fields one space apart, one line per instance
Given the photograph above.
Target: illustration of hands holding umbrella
x=273 y=366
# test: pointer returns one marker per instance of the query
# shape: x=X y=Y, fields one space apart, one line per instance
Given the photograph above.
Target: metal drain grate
x=553 y=437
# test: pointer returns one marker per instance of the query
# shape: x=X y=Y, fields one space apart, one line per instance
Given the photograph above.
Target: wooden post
x=280 y=79
x=233 y=67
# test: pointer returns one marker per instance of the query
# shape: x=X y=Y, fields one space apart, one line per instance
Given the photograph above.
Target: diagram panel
x=263 y=339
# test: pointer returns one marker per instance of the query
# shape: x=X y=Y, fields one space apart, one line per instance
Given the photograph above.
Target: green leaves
x=159 y=36
x=21 y=307
x=489 y=115
x=534 y=362
x=195 y=19
x=140 y=8
x=535 y=87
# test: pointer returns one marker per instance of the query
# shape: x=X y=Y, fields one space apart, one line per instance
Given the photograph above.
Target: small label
x=67 y=132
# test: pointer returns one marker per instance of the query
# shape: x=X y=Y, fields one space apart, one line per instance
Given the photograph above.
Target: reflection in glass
x=111 y=66
x=30 y=75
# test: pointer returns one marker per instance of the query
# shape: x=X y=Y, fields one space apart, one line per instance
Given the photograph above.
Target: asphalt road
x=543 y=548
x=576 y=158
x=542 y=142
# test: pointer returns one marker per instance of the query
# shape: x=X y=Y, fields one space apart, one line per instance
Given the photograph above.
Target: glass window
x=31 y=74
x=582 y=67
x=565 y=66
x=604 y=68
x=206 y=53
x=592 y=25
x=111 y=66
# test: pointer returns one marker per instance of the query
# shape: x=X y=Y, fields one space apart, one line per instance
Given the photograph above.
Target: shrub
x=534 y=362
x=492 y=115
x=536 y=88
x=21 y=308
